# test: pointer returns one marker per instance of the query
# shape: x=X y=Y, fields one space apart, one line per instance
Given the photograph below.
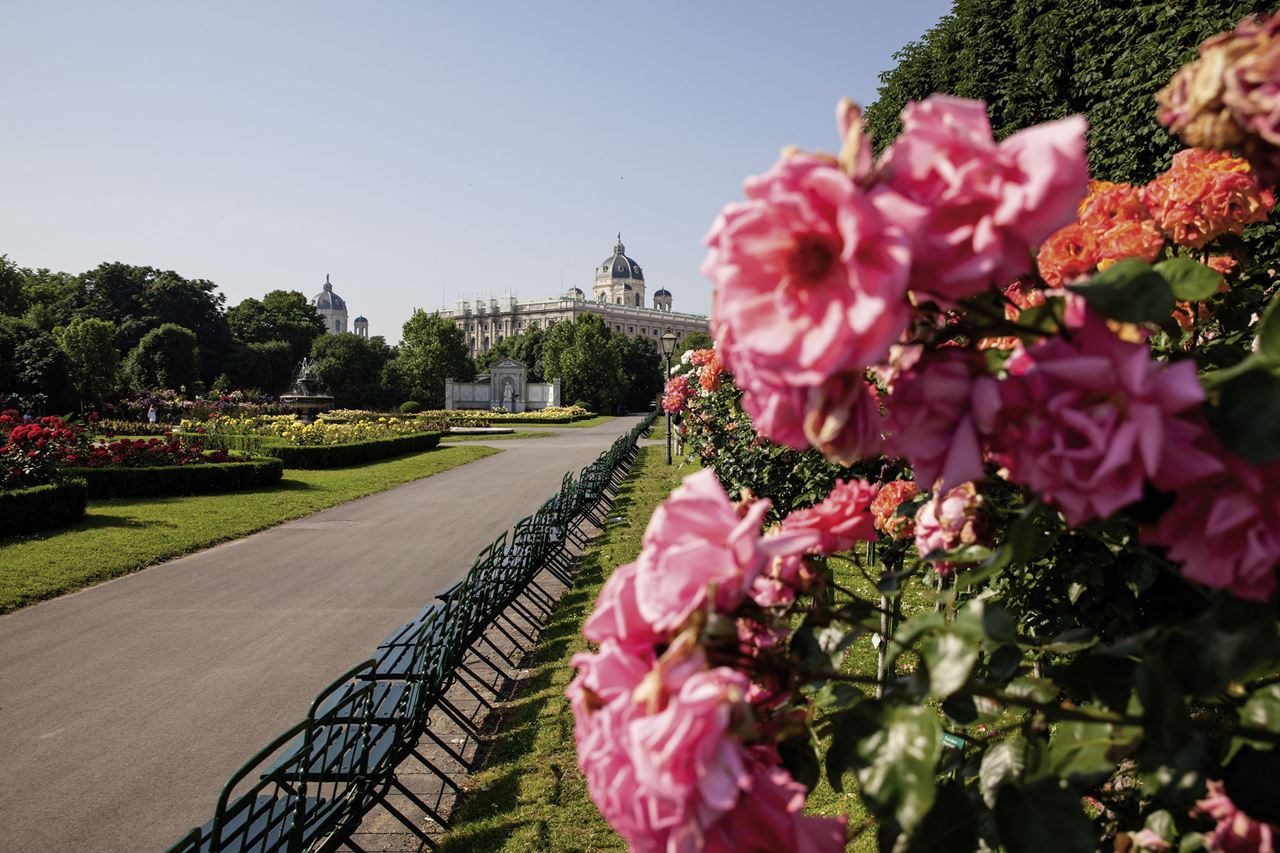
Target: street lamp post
x=668 y=347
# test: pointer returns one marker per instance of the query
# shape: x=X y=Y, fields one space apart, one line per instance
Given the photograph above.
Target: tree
x=693 y=340
x=165 y=358
x=525 y=347
x=266 y=366
x=281 y=315
x=13 y=301
x=583 y=357
x=641 y=371
x=351 y=367
x=432 y=349
x=139 y=299
x=93 y=364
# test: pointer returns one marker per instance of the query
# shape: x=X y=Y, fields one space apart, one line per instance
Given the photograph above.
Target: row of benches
x=310 y=788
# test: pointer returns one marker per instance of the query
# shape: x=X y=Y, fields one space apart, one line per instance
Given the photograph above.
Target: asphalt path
x=125 y=707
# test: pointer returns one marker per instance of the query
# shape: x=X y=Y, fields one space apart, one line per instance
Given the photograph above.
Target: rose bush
x=1038 y=396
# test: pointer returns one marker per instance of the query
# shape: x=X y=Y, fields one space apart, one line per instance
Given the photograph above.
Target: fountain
x=307 y=397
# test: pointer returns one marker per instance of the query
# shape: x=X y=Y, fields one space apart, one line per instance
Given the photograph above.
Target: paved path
x=125 y=707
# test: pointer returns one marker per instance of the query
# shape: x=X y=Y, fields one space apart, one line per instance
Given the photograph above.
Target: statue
x=506 y=395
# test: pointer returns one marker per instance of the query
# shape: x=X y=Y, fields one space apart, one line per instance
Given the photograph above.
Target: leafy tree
x=93 y=364
x=693 y=340
x=267 y=366
x=165 y=358
x=525 y=347
x=281 y=315
x=140 y=299
x=32 y=363
x=641 y=371
x=432 y=349
x=53 y=299
x=351 y=367
x=13 y=301
x=582 y=355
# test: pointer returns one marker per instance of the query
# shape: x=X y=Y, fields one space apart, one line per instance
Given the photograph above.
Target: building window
x=631 y=330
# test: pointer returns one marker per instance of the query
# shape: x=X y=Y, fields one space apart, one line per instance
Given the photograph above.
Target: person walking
x=151 y=414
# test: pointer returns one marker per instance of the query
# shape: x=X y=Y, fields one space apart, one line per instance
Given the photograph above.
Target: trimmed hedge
x=42 y=507
x=355 y=453
x=163 y=480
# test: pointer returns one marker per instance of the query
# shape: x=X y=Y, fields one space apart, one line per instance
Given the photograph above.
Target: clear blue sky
x=417 y=152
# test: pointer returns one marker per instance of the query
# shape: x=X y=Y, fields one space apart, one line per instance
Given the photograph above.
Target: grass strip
x=449 y=438
x=121 y=536
x=529 y=794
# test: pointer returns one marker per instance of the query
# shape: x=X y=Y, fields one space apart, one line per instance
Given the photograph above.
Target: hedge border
x=313 y=456
x=164 y=480
x=42 y=507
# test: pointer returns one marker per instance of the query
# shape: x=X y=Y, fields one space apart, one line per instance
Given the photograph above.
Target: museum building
x=617 y=296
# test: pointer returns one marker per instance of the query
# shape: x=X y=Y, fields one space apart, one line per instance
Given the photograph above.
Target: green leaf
x=1248 y=415
x=948 y=658
x=951 y=826
x=1192 y=842
x=1268 y=341
x=1040 y=690
x=1129 y=291
x=1043 y=816
x=1003 y=762
x=1071 y=640
x=898 y=763
x=1189 y=280
x=1078 y=748
x=961 y=708
x=1162 y=824
x=800 y=757
x=1263 y=709
x=1004 y=662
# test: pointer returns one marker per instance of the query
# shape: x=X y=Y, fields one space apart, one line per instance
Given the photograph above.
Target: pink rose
x=841 y=519
x=1225 y=528
x=938 y=410
x=839 y=417
x=697 y=542
x=988 y=204
x=1235 y=831
x=949 y=521
x=1086 y=421
x=809 y=275
x=686 y=753
x=617 y=616
x=770 y=816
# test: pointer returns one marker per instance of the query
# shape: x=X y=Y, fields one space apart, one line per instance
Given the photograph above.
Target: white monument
x=505 y=386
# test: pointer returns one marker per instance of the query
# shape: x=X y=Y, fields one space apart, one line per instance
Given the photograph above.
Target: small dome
x=362 y=319
x=327 y=299
x=662 y=292
x=618 y=265
x=575 y=293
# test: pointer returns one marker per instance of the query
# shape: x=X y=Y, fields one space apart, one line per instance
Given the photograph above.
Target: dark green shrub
x=355 y=453
x=410 y=407
x=42 y=507
x=583 y=404
x=162 y=480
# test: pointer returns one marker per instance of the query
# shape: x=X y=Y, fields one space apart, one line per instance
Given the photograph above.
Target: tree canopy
x=351 y=367
x=164 y=358
x=281 y=315
x=432 y=349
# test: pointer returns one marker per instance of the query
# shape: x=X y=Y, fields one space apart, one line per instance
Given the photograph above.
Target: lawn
x=121 y=536
x=530 y=795
x=449 y=438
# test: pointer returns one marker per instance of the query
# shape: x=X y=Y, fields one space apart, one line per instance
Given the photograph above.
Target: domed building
x=617 y=297
x=332 y=308
x=361 y=326
x=619 y=280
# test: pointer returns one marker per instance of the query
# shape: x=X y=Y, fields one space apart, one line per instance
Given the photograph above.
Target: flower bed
x=42 y=507
x=159 y=480
x=485 y=417
x=291 y=430
x=353 y=453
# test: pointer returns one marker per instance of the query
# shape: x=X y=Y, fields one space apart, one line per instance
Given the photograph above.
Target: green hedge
x=42 y=507
x=355 y=453
x=160 y=480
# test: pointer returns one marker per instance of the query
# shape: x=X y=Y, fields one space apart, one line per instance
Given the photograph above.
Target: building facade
x=617 y=297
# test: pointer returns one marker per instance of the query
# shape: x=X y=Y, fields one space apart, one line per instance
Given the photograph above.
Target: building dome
x=575 y=293
x=662 y=291
x=327 y=299
x=331 y=308
x=618 y=265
